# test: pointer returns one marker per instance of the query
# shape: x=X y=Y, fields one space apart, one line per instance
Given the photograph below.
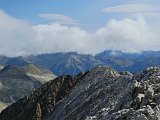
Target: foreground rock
x=140 y=101
x=17 y=82
x=100 y=94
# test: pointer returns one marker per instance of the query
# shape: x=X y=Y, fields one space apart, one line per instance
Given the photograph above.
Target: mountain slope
x=38 y=73
x=17 y=82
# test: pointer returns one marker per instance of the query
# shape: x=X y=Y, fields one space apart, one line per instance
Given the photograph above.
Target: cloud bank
x=18 y=37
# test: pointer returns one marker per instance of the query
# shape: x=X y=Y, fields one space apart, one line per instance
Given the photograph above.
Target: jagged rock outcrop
x=141 y=99
x=17 y=82
x=100 y=94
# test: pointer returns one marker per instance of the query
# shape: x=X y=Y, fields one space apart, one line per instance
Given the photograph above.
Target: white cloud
x=15 y=35
x=133 y=8
x=56 y=37
x=62 y=19
x=132 y=35
x=18 y=37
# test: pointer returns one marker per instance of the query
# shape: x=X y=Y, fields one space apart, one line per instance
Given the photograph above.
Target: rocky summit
x=100 y=94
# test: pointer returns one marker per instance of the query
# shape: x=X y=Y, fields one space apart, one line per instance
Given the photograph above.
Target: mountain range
x=72 y=62
x=99 y=94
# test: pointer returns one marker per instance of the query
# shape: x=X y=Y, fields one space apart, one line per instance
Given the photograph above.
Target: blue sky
x=46 y=26
x=86 y=11
x=82 y=10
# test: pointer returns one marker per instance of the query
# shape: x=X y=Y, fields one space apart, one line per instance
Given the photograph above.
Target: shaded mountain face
x=17 y=82
x=100 y=94
x=72 y=63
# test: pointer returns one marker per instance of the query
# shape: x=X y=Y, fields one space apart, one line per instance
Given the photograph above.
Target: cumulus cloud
x=58 y=18
x=18 y=37
x=132 y=35
x=133 y=8
x=56 y=37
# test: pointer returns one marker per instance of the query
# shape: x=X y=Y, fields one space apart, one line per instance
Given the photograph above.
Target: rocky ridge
x=100 y=94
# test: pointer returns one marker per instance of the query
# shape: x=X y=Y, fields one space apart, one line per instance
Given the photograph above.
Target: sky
x=86 y=26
